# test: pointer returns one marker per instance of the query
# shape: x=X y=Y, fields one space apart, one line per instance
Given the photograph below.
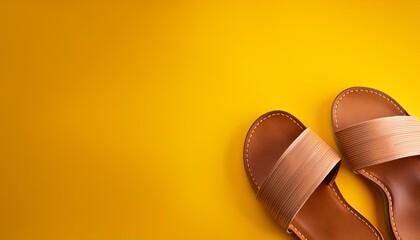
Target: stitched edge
x=298 y=233
x=391 y=211
x=354 y=213
x=252 y=133
x=361 y=90
x=388 y=194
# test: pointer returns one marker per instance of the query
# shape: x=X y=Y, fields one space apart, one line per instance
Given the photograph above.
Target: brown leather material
x=290 y=182
x=325 y=214
x=400 y=178
x=379 y=141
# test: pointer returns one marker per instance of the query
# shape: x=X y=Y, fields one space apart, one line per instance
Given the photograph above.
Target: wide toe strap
x=379 y=140
x=296 y=175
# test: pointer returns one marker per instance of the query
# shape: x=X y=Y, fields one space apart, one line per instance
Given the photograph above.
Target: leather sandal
x=293 y=171
x=381 y=142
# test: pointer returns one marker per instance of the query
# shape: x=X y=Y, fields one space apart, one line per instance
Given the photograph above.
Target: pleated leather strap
x=380 y=140
x=295 y=176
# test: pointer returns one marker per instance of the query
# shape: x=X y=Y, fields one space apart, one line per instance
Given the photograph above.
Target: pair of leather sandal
x=292 y=170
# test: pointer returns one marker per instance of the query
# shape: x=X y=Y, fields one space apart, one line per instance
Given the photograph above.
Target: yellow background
x=126 y=119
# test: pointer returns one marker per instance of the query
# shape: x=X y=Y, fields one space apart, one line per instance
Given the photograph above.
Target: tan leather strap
x=380 y=140
x=295 y=176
